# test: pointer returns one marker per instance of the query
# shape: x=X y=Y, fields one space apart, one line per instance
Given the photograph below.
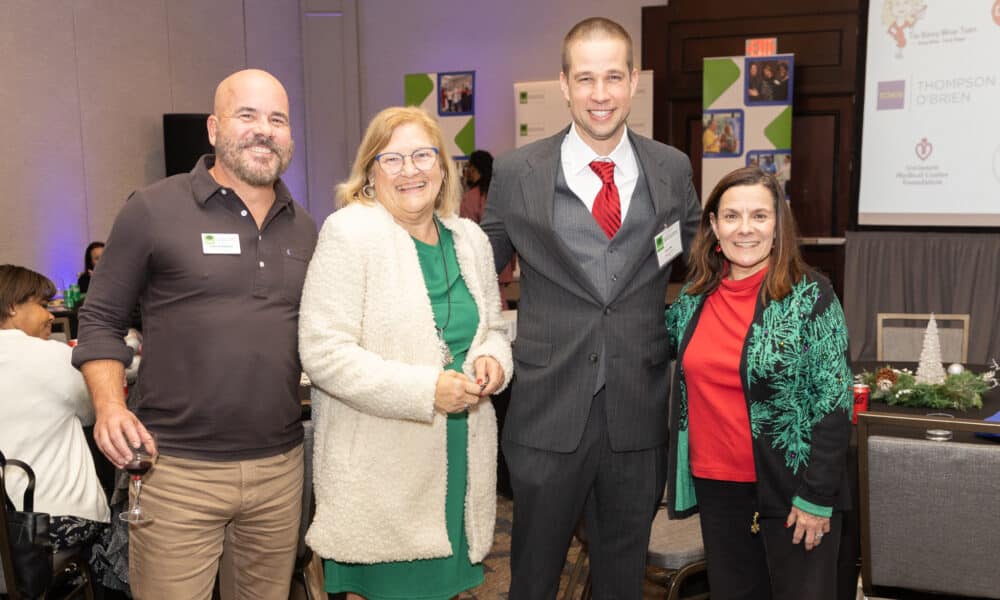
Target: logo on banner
x=996 y=12
x=891 y=94
x=924 y=149
x=900 y=15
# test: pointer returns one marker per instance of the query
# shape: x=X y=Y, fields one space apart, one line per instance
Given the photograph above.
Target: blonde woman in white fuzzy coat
x=400 y=332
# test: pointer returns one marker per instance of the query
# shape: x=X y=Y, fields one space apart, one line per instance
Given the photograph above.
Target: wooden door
x=825 y=37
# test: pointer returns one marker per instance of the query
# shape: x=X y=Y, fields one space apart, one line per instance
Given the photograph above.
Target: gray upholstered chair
x=929 y=509
x=900 y=336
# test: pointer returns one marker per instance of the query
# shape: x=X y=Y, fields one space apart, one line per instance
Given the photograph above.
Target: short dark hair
x=483 y=161
x=596 y=27
x=88 y=260
x=785 y=267
x=19 y=285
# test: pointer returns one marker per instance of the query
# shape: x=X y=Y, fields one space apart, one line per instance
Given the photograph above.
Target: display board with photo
x=746 y=116
x=774 y=162
x=769 y=80
x=456 y=93
x=451 y=97
x=722 y=133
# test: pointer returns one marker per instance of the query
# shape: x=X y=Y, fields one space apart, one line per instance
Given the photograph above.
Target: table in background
x=850 y=541
x=70 y=314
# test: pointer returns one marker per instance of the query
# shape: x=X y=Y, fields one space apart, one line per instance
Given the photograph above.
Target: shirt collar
x=578 y=155
x=205 y=186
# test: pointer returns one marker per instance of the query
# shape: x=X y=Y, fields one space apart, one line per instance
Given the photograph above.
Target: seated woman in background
x=90 y=259
x=762 y=419
x=44 y=406
x=400 y=332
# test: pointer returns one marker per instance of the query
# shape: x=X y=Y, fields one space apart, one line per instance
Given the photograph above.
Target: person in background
x=402 y=338
x=45 y=405
x=753 y=81
x=91 y=256
x=478 y=174
x=781 y=82
x=710 y=138
x=218 y=257
x=586 y=429
x=728 y=144
x=761 y=410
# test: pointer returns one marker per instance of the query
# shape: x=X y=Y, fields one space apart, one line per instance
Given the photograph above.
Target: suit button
x=607 y=310
x=593 y=357
x=614 y=278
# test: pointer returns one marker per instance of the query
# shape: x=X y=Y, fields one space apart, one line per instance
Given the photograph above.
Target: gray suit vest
x=602 y=259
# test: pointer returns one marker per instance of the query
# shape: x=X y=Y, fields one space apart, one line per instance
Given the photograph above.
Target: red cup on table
x=861 y=395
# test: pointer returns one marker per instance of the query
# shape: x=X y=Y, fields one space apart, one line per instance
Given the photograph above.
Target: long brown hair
x=785 y=267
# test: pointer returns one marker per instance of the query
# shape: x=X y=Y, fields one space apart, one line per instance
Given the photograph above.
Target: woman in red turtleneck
x=760 y=426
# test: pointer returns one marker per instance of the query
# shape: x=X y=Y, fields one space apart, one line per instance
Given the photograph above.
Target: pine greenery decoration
x=960 y=391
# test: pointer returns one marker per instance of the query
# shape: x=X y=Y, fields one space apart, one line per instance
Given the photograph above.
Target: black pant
x=617 y=493
x=763 y=566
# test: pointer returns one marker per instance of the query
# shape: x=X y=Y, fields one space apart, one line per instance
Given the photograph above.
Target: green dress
x=436 y=578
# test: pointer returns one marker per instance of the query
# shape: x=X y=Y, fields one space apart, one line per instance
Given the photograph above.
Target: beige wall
x=84 y=87
x=504 y=42
x=85 y=84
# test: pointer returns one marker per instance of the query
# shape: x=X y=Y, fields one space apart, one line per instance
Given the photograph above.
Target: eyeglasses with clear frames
x=392 y=162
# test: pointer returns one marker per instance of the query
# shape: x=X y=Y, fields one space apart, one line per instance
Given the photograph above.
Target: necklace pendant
x=446 y=352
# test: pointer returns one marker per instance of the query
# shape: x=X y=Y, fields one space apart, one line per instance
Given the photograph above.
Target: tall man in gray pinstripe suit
x=586 y=430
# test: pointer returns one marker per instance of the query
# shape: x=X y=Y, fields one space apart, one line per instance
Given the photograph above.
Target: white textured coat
x=368 y=343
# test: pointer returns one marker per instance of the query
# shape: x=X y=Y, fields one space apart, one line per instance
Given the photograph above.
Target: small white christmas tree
x=931 y=369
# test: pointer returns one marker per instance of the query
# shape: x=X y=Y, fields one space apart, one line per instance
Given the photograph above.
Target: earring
x=718 y=248
x=368 y=191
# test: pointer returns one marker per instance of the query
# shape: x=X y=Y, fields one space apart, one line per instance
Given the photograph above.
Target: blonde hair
x=380 y=130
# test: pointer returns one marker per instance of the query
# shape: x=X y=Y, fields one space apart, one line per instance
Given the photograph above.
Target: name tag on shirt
x=668 y=243
x=220 y=243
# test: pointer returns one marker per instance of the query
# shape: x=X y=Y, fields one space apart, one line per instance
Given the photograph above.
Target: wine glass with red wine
x=137 y=466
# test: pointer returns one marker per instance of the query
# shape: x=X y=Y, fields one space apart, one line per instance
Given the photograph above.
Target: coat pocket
x=658 y=351
x=530 y=352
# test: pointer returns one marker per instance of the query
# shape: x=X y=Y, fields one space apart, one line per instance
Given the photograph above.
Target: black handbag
x=27 y=532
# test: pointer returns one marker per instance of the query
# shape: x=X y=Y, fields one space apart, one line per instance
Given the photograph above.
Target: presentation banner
x=747 y=117
x=452 y=98
x=930 y=152
x=540 y=109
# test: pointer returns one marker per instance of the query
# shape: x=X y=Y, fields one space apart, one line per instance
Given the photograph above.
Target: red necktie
x=607 y=206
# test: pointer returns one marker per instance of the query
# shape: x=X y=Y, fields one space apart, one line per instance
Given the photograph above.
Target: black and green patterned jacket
x=797 y=384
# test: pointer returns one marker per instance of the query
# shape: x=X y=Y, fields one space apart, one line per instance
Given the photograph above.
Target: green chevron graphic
x=779 y=131
x=720 y=74
x=417 y=86
x=466 y=137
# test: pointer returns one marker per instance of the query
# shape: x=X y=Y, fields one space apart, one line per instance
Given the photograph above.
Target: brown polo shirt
x=220 y=367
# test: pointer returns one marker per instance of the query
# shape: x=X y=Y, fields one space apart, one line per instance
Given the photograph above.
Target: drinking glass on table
x=938 y=434
x=138 y=465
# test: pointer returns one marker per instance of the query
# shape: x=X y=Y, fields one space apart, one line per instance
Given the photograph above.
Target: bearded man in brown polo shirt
x=217 y=258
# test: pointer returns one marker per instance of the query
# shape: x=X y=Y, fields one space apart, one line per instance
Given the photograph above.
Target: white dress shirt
x=576 y=157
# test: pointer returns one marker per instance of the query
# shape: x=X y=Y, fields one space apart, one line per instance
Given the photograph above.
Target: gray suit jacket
x=562 y=317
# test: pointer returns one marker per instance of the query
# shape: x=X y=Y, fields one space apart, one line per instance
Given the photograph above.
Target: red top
x=718 y=424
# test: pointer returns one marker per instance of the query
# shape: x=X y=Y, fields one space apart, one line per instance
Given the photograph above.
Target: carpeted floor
x=497 y=564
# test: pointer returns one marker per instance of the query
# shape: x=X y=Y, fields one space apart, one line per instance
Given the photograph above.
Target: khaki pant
x=239 y=519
